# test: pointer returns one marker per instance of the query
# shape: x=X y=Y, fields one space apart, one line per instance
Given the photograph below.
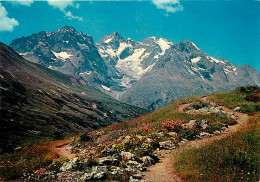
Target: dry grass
x=29 y=159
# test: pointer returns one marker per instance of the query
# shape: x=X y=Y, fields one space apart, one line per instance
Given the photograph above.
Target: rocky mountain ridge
x=148 y=74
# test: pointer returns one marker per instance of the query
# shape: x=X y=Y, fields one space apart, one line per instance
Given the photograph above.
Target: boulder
x=147 y=160
x=192 y=124
x=68 y=166
x=106 y=160
x=167 y=145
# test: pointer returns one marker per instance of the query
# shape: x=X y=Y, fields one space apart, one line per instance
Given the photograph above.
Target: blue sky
x=226 y=29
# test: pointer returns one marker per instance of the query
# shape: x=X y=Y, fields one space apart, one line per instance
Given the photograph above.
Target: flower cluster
x=172 y=125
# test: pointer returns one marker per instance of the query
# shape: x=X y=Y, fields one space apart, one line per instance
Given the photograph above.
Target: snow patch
x=195 y=60
x=82 y=46
x=108 y=40
x=24 y=53
x=62 y=55
x=195 y=46
x=211 y=59
x=105 y=87
x=131 y=65
x=164 y=45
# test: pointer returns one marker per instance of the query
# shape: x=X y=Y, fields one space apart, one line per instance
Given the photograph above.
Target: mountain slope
x=156 y=71
x=148 y=74
x=39 y=101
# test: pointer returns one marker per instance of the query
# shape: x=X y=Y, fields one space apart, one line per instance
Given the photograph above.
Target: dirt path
x=164 y=172
x=62 y=151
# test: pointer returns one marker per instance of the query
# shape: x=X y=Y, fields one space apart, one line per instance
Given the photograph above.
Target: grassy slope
x=234 y=158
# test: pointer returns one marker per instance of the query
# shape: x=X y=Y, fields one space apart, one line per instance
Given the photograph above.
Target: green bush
x=188 y=134
x=85 y=137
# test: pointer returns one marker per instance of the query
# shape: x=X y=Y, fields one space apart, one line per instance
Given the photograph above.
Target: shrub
x=92 y=162
x=188 y=134
x=85 y=137
x=172 y=125
x=57 y=163
x=57 y=134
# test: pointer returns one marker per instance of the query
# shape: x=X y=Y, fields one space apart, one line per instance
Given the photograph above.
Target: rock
x=132 y=163
x=68 y=166
x=173 y=134
x=198 y=137
x=116 y=170
x=127 y=155
x=161 y=134
x=213 y=110
x=237 y=109
x=96 y=169
x=86 y=176
x=108 y=151
x=106 y=160
x=167 y=145
x=100 y=175
x=205 y=126
x=216 y=133
x=205 y=134
x=133 y=180
x=223 y=129
x=192 y=124
x=141 y=167
x=233 y=116
x=147 y=160
x=18 y=148
x=138 y=176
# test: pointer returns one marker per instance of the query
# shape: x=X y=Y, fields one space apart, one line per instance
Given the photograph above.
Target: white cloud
x=62 y=5
x=6 y=23
x=70 y=16
x=23 y=2
x=171 y=6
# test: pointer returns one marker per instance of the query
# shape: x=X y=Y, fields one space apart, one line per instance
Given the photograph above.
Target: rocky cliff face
x=148 y=74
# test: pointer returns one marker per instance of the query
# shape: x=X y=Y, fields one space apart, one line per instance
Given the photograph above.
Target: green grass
x=235 y=99
x=170 y=112
x=234 y=158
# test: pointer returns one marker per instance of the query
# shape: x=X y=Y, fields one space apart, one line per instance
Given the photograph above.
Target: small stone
x=86 y=176
x=205 y=134
x=100 y=175
x=167 y=145
x=216 y=133
x=205 y=126
x=138 y=176
x=133 y=180
x=237 y=109
x=223 y=129
x=132 y=163
x=173 y=134
x=127 y=155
